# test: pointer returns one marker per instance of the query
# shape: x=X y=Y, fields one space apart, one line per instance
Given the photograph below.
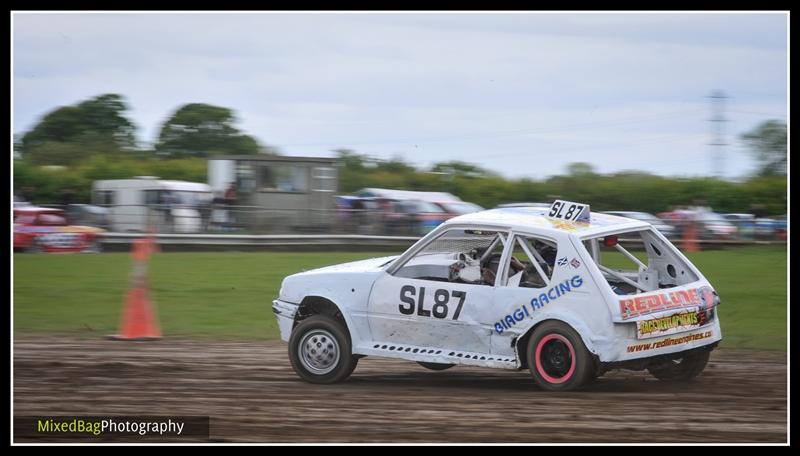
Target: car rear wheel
x=435 y=366
x=320 y=350
x=682 y=369
x=558 y=359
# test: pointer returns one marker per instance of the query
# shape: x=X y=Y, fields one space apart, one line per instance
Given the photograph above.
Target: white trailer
x=145 y=201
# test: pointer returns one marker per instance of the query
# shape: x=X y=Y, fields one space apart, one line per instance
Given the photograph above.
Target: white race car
x=539 y=288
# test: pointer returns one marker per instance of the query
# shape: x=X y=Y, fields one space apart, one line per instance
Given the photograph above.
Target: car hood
x=370 y=265
x=330 y=280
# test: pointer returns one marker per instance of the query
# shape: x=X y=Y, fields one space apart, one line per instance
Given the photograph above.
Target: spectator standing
x=230 y=203
x=204 y=207
x=27 y=193
x=67 y=197
x=167 y=202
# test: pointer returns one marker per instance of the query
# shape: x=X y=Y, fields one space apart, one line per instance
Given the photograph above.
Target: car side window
x=531 y=263
x=151 y=197
x=458 y=256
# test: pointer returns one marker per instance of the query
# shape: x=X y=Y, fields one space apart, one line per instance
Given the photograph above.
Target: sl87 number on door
x=441 y=298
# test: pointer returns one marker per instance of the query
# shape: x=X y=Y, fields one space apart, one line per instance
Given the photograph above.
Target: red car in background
x=41 y=229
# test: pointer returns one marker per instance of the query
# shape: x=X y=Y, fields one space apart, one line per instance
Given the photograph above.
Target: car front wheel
x=558 y=359
x=320 y=350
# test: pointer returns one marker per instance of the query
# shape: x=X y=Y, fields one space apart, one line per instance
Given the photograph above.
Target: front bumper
x=284 y=312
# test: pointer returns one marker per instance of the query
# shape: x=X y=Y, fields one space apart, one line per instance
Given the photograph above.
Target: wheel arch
x=521 y=344
x=321 y=305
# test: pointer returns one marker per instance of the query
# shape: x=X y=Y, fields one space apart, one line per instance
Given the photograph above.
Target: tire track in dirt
x=252 y=395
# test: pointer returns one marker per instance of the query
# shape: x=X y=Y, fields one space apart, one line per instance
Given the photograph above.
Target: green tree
x=580 y=169
x=768 y=143
x=396 y=165
x=202 y=130
x=459 y=168
x=69 y=134
x=351 y=160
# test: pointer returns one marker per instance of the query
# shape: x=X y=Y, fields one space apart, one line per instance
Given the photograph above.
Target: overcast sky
x=521 y=94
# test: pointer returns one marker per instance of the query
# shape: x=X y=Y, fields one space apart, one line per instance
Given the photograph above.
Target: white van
x=145 y=201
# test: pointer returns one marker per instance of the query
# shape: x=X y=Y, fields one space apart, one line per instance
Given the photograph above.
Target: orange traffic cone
x=690 y=239
x=151 y=241
x=138 y=320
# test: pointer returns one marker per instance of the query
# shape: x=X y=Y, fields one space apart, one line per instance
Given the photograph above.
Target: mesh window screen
x=455 y=241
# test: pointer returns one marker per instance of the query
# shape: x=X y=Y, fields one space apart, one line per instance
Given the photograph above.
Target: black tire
x=94 y=247
x=683 y=369
x=330 y=368
x=35 y=247
x=435 y=366
x=558 y=359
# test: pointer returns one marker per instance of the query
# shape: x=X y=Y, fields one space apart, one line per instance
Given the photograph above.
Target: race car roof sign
x=567 y=210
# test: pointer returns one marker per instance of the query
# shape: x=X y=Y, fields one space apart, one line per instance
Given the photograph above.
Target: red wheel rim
x=554 y=353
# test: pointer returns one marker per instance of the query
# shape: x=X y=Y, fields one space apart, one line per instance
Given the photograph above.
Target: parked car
x=88 y=215
x=359 y=215
x=144 y=202
x=710 y=225
x=781 y=228
x=39 y=229
x=745 y=224
x=450 y=204
x=539 y=205
x=751 y=226
x=411 y=217
x=663 y=227
x=715 y=226
x=456 y=208
x=521 y=288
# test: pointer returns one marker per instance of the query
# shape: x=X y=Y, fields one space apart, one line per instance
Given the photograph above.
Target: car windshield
x=51 y=220
x=460 y=208
x=26 y=219
x=424 y=206
x=647 y=217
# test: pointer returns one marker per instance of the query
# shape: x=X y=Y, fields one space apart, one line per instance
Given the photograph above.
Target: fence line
x=340 y=240
x=254 y=220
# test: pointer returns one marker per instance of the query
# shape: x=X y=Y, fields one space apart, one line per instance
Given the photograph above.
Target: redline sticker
x=649 y=303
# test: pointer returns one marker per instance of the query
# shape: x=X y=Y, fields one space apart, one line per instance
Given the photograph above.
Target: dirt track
x=252 y=395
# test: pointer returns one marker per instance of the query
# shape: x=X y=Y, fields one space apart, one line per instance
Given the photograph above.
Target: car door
x=437 y=299
x=528 y=288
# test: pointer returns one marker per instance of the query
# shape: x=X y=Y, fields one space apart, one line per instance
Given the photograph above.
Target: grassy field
x=228 y=295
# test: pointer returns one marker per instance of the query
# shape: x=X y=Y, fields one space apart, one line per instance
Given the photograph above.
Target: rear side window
x=638 y=262
x=26 y=219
